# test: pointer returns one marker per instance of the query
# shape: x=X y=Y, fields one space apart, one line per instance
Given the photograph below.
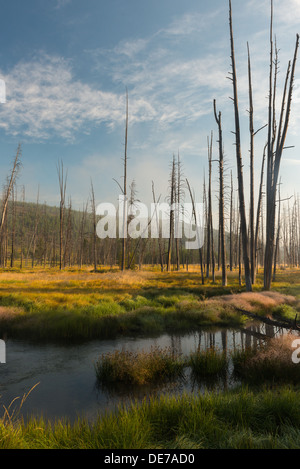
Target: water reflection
x=67 y=378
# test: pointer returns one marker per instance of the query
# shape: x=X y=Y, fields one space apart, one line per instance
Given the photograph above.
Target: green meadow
x=81 y=305
x=263 y=411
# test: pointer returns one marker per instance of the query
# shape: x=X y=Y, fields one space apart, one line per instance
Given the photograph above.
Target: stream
x=66 y=375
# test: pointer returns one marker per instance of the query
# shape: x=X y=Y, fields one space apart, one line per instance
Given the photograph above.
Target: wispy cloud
x=190 y=23
x=62 y=3
x=45 y=99
x=286 y=12
x=167 y=74
x=169 y=82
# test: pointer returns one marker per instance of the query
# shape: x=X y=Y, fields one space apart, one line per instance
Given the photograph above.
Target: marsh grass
x=238 y=419
x=208 y=363
x=143 y=367
x=271 y=363
x=158 y=366
x=45 y=304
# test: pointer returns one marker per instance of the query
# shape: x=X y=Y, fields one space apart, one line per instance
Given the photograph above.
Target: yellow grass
x=148 y=292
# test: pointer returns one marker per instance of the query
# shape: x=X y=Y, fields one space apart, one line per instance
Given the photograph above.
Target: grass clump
x=208 y=363
x=271 y=363
x=159 y=364
x=285 y=311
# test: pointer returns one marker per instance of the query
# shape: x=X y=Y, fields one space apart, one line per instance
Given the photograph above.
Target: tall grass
x=271 y=363
x=159 y=364
x=238 y=419
x=80 y=305
x=208 y=363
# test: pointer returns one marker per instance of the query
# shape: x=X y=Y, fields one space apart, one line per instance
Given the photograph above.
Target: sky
x=67 y=64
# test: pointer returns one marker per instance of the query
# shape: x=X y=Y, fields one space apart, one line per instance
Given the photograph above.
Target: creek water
x=66 y=373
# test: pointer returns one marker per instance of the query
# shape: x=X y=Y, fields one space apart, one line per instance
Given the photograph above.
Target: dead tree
x=259 y=208
x=13 y=231
x=252 y=135
x=161 y=255
x=197 y=232
x=22 y=227
x=33 y=241
x=82 y=233
x=124 y=238
x=276 y=140
x=171 y=223
x=218 y=118
x=251 y=129
x=231 y=226
x=276 y=253
x=210 y=234
x=178 y=198
x=94 y=226
x=9 y=188
x=244 y=233
x=62 y=179
x=45 y=234
x=68 y=236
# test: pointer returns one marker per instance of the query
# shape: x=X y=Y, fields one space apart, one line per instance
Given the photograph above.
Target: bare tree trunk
x=231 y=225
x=239 y=163
x=45 y=235
x=13 y=232
x=240 y=255
x=93 y=207
x=22 y=227
x=68 y=237
x=196 y=223
x=124 y=239
x=171 y=227
x=11 y=182
x=161 y=258
x=221 y=198
x=259 y=205
x=178 y=201
x=251 y=129
x=277 y=240
x=34 y=237
x=62 y=186
x=274 y=157
x=209 y=252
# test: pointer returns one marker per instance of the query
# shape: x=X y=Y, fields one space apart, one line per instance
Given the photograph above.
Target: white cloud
x=131 y=47
x=166 y=85
x=44 y=98
x=62 y=3
x=190 y=23
x=285 y=12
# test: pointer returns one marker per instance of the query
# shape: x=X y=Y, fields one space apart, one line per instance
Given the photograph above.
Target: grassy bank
x=80 y=305
x=237 y=419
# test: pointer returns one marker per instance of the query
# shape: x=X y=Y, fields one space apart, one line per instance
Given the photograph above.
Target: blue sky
x=67 y=63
